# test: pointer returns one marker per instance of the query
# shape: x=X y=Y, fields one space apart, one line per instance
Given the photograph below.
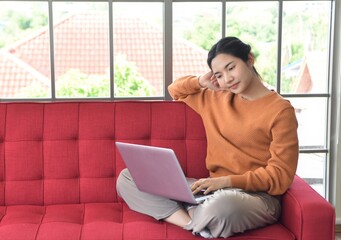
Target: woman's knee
x=223 y=204
x=124 y=173
x=124 y=176
x=124 y=179
x=230 y=212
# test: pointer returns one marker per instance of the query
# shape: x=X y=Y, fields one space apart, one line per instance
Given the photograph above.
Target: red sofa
x=59 y=164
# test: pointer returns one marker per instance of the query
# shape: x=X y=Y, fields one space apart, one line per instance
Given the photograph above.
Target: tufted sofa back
x=64 y=152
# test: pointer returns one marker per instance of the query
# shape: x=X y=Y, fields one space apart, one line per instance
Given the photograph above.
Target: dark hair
x=232 y=46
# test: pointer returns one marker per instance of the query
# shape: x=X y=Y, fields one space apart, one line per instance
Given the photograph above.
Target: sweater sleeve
x=183 y=87
x=188 y=90
x=276 y=177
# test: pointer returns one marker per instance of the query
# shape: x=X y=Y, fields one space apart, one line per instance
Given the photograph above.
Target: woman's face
x=232 y=73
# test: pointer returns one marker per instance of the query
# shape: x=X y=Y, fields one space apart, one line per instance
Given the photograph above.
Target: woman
x=252 y=148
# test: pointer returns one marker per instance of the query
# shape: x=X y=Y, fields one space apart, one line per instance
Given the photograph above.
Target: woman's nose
x=228 y=79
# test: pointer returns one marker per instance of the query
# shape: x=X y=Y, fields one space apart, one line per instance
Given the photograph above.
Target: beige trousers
x=228 y=212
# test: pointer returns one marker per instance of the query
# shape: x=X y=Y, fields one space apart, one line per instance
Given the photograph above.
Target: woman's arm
x=183 y=87
x=276 y=177
x=190 y=85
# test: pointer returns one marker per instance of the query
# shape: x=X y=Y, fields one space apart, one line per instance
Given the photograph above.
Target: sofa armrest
x=306 y=213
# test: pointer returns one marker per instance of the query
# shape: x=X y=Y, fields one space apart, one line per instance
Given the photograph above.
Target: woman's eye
x=231 y=68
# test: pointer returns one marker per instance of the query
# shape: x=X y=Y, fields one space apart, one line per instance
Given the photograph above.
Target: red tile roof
x=16 y=74
x=81 y=41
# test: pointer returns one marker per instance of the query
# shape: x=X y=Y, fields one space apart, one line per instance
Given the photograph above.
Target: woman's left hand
x=210 y=184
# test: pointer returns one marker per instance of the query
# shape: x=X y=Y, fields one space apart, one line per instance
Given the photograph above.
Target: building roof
x=16 y=74
x=81 y=41
x=313 y=73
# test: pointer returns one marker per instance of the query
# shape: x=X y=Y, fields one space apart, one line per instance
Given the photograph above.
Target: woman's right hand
x=208 y=80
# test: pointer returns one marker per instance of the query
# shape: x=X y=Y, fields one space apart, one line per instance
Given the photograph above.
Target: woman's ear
x=251 y=59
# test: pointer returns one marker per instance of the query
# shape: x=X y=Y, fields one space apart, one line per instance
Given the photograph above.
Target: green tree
x=206 y=33
x=75 y=84
x=35 y=90
x=17 y=22
x=128 y=81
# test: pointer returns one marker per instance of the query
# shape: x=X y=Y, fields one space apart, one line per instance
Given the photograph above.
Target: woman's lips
x=234 y=86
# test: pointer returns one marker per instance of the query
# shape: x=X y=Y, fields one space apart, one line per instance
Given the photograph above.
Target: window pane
x=305 y=45
x=312 y=119
x=311 y=167
x=24 y=50
x=195 y=32
x=256 y=23
x=81 y=46
x=138 y=49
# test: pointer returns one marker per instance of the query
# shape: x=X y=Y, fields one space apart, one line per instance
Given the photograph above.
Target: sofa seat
x=94 y=221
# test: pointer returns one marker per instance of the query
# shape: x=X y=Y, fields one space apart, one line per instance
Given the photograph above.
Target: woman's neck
x=256 y=90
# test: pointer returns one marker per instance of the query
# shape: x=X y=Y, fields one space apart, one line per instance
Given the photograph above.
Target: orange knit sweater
x=253 y=142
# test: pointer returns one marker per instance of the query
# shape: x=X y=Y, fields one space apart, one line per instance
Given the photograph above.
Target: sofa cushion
x=100 y=221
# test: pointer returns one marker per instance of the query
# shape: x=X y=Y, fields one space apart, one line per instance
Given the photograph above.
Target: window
x=60 y=50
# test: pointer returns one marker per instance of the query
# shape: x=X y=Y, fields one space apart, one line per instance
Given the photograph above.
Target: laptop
x=157 y=171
